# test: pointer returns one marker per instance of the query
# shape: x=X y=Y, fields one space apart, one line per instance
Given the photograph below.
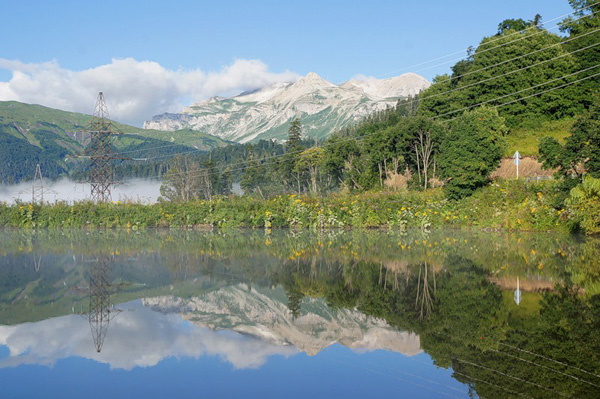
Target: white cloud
x=138 y=337
x=364 y=78
x=134 y=90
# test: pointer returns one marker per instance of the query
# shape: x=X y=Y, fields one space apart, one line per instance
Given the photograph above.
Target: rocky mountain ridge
x=321 y=106
x=265 y=315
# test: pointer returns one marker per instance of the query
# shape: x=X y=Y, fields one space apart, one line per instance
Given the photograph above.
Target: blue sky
x=224 y=47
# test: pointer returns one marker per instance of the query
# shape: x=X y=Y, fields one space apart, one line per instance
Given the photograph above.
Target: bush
x=584 y=205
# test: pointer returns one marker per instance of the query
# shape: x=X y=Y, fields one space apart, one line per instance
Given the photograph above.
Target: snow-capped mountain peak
x=261 y=314
x=312 y=80
x=322 y=107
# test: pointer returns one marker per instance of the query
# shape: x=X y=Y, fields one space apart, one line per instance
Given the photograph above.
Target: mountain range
x=263 y=314
x=321 y=106
x=33 y=134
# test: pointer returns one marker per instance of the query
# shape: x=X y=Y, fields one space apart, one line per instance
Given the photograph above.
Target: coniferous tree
x=293 y=148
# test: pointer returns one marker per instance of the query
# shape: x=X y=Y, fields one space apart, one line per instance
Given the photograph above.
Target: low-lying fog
x=137 y=190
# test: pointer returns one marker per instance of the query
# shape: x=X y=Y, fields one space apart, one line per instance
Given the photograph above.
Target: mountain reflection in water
x=442 y=298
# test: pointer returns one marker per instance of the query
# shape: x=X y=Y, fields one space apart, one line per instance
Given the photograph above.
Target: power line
x=357 y=138
x=502 y=75
x=550 y=359
x=470 y=72
x=511 y=376
x=455 y=89
x=521 y=359
x=520 y=91
x=499 y=45
x=546 y=367
x=524 y=55
x=398 y=378
x=499 y=38
x=492 y=384
x=420 y=377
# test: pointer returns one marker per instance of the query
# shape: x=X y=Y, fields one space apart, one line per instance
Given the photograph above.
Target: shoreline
x=503 y=206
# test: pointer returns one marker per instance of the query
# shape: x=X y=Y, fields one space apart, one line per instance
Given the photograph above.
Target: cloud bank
x=135 y=190
x=134 y=90
x=138 y=337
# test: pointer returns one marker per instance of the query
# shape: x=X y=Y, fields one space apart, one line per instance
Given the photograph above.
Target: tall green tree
x=347 y=163
x=293 y=148
x=424 y=136
x=470 y=150
x=312 y=160
x=512 y=24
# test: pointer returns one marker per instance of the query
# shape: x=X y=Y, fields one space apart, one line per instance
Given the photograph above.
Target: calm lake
x=178 y=314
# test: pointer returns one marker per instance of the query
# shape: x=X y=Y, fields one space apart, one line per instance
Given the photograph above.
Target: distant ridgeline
x=32 y=134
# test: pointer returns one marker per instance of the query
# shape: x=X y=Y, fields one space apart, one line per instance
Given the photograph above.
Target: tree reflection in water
x=447 y=288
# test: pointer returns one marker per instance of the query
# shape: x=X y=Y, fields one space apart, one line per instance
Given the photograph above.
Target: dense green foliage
x=581 y=151
x=584 y=205
x=503 y=205
x=519 y=70
x=584 y=25
x=18 y=158
x=472 y=149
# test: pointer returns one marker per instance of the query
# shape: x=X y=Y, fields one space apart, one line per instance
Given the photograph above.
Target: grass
x=526 y=140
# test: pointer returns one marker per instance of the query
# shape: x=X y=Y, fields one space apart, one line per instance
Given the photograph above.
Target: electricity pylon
x=101 y=152
x=100 y=312
x=37 y=187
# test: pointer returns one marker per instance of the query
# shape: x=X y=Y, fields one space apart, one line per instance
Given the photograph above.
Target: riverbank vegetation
x=505 y=204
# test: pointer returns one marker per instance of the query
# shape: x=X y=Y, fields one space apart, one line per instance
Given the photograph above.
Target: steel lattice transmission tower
x=37 y=187
x=100 y=312
x=101 y=152
x=37 y=190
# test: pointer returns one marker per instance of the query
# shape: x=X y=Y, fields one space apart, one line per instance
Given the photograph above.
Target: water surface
x=298 y=314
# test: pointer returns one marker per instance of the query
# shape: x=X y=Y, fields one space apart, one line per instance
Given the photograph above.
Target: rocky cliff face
x=265 y=315
x=265 y=114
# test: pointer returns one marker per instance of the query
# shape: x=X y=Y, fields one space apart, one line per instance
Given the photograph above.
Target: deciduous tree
x=470 y=150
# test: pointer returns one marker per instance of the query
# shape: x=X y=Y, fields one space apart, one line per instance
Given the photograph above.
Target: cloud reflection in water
x=138 y=337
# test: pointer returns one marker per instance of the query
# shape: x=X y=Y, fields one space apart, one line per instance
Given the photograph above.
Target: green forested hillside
x=32 y=134
x=529 y=73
